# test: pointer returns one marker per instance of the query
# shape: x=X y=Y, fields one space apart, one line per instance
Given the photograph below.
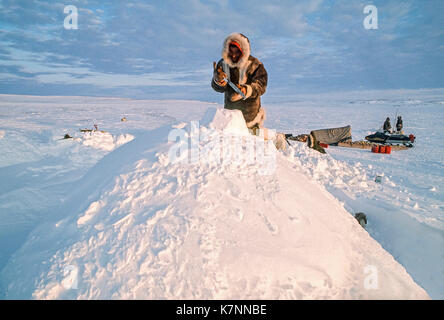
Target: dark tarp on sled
x=332 y=136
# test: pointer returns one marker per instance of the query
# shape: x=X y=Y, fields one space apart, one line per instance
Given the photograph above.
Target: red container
x=375 y=149
x=382 y=149
x=323 y=145
x=388 y=149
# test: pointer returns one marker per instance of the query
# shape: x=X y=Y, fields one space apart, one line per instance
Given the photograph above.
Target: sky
x=163 y=49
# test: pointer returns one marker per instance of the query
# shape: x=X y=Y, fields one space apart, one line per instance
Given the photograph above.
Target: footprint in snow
x=270 y=226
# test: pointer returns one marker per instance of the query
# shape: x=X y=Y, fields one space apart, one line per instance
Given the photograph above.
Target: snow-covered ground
x=111 y=209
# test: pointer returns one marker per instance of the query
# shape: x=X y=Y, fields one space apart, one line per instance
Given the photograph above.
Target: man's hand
x=236 y=96
x=219 y=75
x=242 y=88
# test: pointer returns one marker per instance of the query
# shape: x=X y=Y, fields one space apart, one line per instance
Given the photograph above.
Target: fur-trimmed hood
x=245 y=46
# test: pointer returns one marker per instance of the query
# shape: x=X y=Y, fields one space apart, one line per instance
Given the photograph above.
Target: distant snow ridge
x=162 y=229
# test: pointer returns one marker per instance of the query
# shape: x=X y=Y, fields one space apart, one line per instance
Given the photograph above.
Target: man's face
x=234 y=53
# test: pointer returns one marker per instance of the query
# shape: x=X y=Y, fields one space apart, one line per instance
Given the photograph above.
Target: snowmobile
x=388 y=138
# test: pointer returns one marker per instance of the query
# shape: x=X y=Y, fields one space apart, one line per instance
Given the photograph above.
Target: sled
x=91 y=130
x=392 y=139
x=369 y=145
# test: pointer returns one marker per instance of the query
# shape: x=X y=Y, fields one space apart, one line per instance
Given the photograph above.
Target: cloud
x=304 y=44
x=61 y=73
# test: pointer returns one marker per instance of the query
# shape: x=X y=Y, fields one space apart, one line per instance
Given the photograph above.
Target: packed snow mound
x=104 y=140
x=147 y=223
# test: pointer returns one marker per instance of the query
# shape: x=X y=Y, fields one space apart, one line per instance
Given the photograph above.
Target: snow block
x=229 y=121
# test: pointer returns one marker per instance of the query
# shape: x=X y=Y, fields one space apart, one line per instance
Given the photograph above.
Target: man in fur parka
x=245 y=71
x=250 y=76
